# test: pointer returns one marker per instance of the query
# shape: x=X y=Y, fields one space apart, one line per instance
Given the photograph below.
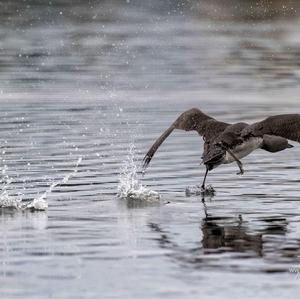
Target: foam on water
x=39 y=203
x=129 y=185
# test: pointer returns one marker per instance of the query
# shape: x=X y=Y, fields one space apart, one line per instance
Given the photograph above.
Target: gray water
x=92 y=81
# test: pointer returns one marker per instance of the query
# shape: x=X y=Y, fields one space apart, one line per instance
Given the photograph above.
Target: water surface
x=87 y=82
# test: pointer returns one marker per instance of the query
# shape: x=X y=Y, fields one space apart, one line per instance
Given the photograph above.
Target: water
x=130 y=188
x=78 y=87
x=36 y=204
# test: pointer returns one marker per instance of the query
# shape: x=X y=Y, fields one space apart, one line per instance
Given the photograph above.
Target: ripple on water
x=86 y=82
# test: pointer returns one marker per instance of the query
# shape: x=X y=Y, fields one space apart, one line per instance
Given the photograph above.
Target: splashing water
x=7 y=201
x=38 y=203
x=198 y=190
x=129 y=185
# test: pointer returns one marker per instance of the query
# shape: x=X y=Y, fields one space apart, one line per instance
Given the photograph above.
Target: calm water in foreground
x=90 y=82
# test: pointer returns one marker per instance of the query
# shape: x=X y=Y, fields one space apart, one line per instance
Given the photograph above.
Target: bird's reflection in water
x=221 y=235
x=230 y=234
x=232 y=237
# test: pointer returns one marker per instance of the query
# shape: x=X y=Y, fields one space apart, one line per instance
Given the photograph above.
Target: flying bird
x=227 y=143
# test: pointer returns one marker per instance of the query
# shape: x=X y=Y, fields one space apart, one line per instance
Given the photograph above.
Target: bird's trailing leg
x=239 y=163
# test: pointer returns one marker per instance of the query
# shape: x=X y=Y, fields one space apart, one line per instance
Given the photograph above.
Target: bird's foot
x=200 y=190
x=208 y=190
x=241 y=172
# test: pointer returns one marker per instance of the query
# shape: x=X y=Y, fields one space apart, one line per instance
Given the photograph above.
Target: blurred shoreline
x=33 y=11
x=245 y=10
x=149 y=49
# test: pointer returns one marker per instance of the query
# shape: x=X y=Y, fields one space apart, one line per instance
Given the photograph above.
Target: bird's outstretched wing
x=190 y=120
x=284 y=125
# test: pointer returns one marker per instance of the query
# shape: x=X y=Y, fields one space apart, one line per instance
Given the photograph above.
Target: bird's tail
x=155 y=146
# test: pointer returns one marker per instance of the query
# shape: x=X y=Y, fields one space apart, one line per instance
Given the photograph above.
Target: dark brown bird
x=226 y=143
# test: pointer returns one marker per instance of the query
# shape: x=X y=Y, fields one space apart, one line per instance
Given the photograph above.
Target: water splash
x=39 y=203
x=129 y=185
x=6 y=201
x=63 y=181
x=198 y=190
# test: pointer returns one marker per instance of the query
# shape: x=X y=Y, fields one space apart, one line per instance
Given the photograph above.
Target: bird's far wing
x=189 y=120
x=284 y=125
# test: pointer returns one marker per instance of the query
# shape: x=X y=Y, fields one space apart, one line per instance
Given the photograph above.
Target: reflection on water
x=87 y=80
x=231 y=237
x=222 y=235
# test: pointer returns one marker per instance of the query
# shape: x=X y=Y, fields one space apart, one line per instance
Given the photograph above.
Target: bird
x=226 y=143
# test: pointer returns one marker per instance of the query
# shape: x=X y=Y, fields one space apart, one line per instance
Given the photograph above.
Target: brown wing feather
x=189 y=120
x=284 y=125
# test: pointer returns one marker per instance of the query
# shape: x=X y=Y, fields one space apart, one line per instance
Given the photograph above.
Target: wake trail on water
x=130 y=186
x=39 y=203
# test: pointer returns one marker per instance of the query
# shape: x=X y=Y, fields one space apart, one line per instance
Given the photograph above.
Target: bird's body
x=244 y=149
x=227 y=143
